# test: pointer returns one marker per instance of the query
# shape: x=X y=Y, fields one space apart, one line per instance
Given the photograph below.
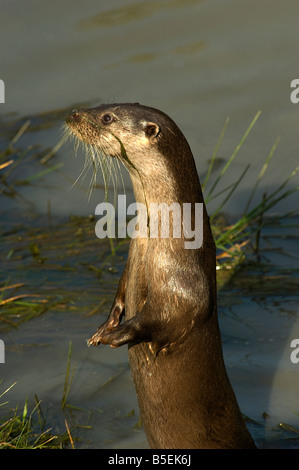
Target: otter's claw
x=93 y=341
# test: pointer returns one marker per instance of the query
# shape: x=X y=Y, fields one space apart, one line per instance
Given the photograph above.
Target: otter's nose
x=73 y=116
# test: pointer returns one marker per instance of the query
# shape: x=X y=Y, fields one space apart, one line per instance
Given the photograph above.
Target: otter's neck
x=166 y=185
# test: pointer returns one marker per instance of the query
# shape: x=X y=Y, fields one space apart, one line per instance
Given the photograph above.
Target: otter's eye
x=107 y=118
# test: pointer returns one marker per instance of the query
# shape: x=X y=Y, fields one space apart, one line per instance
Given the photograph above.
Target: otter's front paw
x=96 y=338
x=107 y=327
x=111 y=323
x=115 y=336
x=118 y=335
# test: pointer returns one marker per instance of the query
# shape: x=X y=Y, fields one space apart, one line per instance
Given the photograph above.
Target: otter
x=167 y=293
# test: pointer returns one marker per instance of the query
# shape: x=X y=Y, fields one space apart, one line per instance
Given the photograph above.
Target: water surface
x=200 y=62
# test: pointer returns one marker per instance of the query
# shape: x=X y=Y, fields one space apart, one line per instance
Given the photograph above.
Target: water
x=200 y=62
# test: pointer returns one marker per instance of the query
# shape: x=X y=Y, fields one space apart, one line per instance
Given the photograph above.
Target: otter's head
x=146 y=140
x=128 y=127
x=114 y=127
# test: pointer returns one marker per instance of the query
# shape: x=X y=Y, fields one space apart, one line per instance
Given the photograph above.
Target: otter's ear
x=151 y=130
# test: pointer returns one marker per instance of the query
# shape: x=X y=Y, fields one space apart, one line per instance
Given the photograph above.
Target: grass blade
x=207 y=178
x=234 y=186
x=68 y=378
x=262 y=172
x=230 y=160
x=40 y=174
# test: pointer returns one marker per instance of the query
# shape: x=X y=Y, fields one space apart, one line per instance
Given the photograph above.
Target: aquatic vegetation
x=21 y=430
x=231 y=238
